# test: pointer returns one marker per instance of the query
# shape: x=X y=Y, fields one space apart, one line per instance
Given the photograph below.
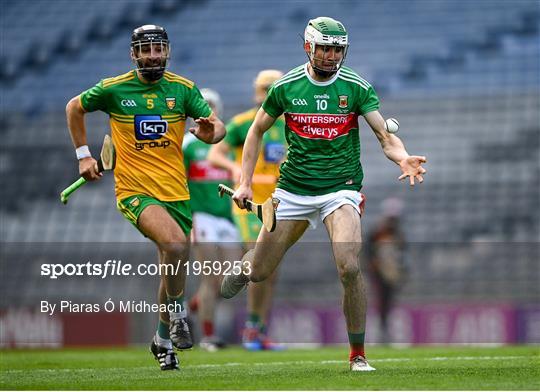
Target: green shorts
x=248 y=225
x=132 y=207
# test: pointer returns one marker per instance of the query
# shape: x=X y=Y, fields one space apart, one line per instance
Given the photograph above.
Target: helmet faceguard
x=150 y=51
x=331 y=36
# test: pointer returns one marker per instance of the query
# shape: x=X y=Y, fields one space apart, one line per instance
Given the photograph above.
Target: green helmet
x=325 y=31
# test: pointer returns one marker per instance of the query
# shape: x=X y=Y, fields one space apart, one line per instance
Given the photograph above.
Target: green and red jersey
x=321 y=128
x=204 y=178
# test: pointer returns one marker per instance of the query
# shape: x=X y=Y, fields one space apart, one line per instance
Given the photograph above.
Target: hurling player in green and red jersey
x=322 y=175
x=274 y=146
x=148 y=107
x=215 y=237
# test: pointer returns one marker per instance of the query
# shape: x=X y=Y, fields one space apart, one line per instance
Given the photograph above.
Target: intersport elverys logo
x=321 y=125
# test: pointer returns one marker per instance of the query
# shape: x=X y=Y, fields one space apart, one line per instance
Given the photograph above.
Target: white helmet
x=325 y=31
x=213 y=99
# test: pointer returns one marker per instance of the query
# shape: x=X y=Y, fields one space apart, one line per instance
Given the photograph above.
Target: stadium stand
x=462 y=79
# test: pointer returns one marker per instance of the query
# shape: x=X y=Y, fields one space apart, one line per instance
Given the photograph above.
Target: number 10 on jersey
x=322 y=104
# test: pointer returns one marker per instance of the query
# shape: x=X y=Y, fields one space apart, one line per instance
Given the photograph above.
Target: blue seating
x=224 y=44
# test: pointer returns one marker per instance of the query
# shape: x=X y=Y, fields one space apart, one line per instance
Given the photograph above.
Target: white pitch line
x=285 y=363
x=280 y=363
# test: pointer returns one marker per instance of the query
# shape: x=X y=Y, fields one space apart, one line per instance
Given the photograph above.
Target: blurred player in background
x=254 y=336
x=385 y=251
x=322 y=175
x=148 y=107
x=214 y=236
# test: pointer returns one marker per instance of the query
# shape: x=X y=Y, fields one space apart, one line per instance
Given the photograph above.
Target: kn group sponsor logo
x=150 y=128
x=130 y=103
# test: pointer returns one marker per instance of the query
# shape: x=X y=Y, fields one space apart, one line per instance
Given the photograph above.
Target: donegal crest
x=171 y=103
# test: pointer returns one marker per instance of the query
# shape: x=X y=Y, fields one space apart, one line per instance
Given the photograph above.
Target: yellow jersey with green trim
x=147 y=123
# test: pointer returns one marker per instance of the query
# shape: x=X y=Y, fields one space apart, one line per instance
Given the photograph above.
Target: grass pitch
x=447 y=368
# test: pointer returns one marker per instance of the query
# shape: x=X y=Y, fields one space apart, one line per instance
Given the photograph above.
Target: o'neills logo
x=321 y=126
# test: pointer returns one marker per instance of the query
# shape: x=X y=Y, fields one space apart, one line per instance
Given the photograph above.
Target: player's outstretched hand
x=205 y=129
x=242 y=193
x=88 y=169
x=412 y=167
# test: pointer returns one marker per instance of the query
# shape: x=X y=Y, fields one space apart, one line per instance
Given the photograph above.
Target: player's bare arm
x=263 y=121
x=218 y=155
x=209 y=129
x=75 y=119
x=393 y=148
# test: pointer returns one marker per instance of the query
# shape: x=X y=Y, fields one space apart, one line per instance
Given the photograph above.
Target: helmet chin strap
x=322 y=73
x=152 y=74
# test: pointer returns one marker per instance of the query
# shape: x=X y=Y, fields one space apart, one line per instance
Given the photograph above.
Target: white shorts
x=210 y=228
x=297 y=207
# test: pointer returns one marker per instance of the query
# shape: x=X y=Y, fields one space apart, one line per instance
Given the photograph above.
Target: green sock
x=356 y=343
x=356 y=338
x=163 y=329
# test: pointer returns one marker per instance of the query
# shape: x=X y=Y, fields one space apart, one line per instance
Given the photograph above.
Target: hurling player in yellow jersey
x=148 y=107
x=254 y=337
